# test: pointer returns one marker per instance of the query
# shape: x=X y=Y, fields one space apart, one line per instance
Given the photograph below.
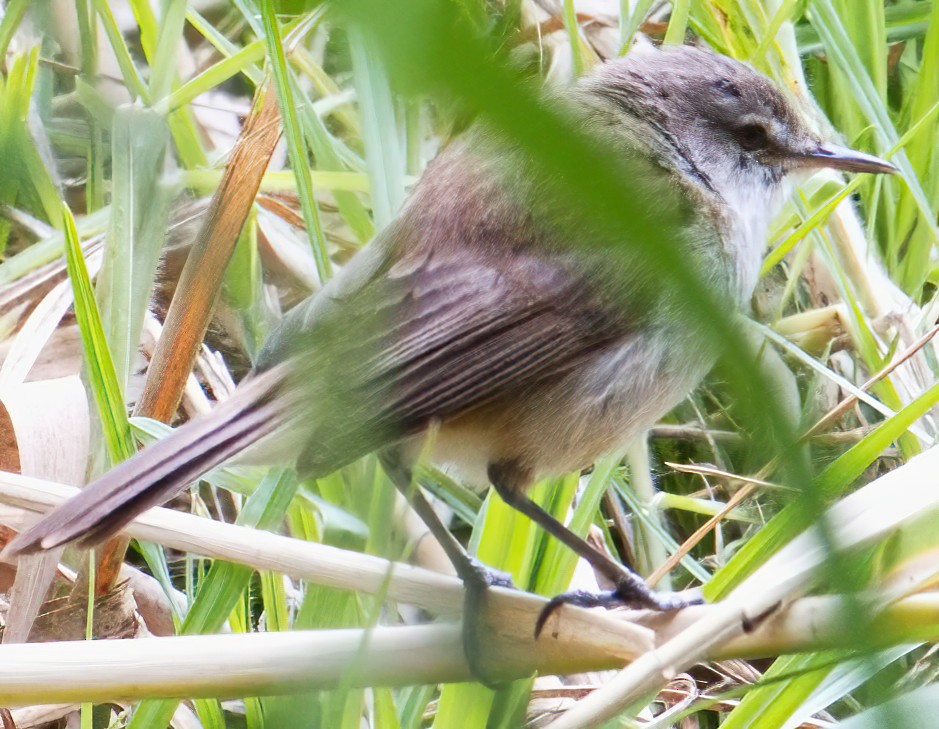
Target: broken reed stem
x=199 y=285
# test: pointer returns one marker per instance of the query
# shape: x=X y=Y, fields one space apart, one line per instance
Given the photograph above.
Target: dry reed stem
x=591 y=636
x=199 y=285
x=270 y=663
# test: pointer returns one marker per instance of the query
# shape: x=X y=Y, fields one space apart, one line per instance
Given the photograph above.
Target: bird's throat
x=750 y=202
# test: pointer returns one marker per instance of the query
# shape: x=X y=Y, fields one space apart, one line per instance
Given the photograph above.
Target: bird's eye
x=752 y=137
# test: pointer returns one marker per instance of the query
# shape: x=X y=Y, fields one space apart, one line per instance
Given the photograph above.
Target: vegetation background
x=118 y=122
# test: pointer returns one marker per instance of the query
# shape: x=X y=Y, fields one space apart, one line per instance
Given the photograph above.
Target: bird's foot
x=631 y=591
x=477 y=579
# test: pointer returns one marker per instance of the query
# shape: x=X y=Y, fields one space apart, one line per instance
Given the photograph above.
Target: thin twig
x=849 y=402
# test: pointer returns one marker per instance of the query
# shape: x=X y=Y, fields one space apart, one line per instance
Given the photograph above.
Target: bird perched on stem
x=526 y=339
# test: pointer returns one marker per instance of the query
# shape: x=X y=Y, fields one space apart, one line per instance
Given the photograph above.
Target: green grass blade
x=678 y=23
x=240 y=61
x=163 y=60
x=573 y=38
x=379 y=132
x=904 y=20
x=863 y=91
x=296 y=144
x=810 y=224
x=630 y=20
x=125 y=62
x=12 y=17
x=917 y=708
x=772 y=705
x=558 y=562
x=139 y=211
x=99 y=367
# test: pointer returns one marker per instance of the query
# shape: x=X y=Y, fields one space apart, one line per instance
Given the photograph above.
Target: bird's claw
x=487 y=576
x=476 y=582
x=631 y=591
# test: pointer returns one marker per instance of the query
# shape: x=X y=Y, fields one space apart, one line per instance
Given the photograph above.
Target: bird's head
x=717 y=119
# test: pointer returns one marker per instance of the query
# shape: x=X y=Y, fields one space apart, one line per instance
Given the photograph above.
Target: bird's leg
x=476 y=577
x=510 y=481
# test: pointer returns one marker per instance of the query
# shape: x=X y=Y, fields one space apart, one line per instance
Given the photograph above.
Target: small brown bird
x=479 y=314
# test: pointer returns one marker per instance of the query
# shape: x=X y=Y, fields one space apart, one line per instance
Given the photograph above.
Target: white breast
x=751 y=205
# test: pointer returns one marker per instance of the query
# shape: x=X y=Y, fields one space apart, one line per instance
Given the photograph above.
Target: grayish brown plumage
x=480 y=309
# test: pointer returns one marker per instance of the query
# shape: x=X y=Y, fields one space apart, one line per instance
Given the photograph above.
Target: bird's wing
x=472 y=332
x=437 y=340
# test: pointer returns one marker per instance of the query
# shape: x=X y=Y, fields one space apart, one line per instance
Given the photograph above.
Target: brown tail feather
x=160 y=471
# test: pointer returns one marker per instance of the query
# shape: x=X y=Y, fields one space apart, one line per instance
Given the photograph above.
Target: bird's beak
x=850 y=160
